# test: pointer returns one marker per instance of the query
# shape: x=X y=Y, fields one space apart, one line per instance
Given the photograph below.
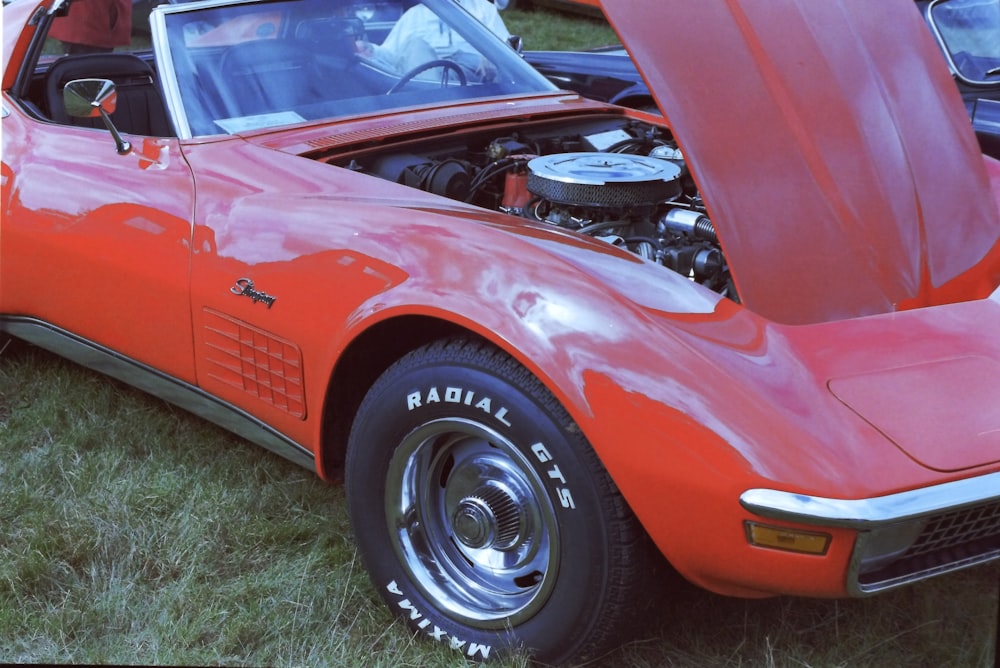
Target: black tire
x=459 y=458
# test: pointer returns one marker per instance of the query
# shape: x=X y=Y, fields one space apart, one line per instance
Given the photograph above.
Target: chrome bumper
x=902 y=537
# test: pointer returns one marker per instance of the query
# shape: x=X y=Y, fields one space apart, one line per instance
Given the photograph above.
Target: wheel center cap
x=474 y=523
x=489 y=518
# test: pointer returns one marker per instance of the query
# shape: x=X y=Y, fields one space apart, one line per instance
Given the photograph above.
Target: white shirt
x=420 y=22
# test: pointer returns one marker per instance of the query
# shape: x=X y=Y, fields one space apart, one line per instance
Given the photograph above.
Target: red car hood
x=831 y=146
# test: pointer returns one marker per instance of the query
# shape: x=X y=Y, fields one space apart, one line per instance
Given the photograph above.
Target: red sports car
x=540 y=338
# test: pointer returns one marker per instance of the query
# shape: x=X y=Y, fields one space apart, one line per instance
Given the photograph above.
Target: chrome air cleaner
x=603 y=179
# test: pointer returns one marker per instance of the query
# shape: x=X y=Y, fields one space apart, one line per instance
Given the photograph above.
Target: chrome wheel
x=470 y=520
x=482 y=513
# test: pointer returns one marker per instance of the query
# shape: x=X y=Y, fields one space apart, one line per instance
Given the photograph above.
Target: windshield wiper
x=993 y=71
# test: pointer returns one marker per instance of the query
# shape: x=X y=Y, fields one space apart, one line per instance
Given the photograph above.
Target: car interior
x=244 y=68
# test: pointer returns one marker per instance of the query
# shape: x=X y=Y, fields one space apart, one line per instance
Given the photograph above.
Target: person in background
x=420 y=36
x=94 y=26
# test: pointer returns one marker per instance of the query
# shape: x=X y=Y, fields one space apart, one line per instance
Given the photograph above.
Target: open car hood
x=831 y=146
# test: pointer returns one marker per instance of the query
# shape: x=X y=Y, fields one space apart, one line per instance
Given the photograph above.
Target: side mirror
x=94 y=98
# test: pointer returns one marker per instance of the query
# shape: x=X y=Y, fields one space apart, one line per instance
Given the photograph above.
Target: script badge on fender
x=244 y=287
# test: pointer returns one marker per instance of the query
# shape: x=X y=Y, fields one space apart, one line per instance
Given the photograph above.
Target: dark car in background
x=606 y=74
x=968 y=32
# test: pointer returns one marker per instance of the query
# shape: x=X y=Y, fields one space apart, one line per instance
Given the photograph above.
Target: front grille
x=948 y=541
x=960 y=526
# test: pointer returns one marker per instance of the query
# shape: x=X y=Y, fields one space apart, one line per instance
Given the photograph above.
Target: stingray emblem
x=244 y=288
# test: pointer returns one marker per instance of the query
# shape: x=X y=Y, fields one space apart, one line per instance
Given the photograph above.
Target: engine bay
x=619 y=180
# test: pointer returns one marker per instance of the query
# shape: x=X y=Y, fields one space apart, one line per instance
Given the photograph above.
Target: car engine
x=619 y=180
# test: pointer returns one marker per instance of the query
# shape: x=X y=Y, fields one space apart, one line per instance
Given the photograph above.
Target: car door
x=95 y=242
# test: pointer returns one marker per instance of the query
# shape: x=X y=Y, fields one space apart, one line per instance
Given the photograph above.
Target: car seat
x=139 y=109
x=268 y=75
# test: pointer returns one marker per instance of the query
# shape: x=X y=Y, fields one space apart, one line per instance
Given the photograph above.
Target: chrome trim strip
x=871 y=513
x=146 y=378
x=167 y=75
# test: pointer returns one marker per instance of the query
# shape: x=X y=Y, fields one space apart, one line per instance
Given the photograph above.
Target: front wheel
x=483 y=515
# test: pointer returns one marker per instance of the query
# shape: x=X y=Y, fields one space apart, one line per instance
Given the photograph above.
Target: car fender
x=555 y=300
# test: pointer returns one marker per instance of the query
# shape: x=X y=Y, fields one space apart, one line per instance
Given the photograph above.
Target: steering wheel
x=423 y=67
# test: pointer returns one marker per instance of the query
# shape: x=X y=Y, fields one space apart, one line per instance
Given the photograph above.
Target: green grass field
x=134 y=533
x=544 y=29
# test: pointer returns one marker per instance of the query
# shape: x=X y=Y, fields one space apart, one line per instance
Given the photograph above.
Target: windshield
x=233 y=67
x=970 y=33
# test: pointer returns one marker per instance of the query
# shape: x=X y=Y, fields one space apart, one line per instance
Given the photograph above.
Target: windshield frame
x=185 y=97
x=942 y=34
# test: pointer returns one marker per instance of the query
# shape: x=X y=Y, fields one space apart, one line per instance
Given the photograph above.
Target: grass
x=134 y=533
x=542 y=29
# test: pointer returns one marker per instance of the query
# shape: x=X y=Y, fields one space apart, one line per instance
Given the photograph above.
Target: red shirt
x=99 y=23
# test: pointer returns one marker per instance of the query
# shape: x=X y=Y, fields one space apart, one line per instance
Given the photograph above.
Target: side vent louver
x=256 y=362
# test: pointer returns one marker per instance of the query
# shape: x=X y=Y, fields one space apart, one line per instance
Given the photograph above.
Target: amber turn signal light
x=789 y=540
